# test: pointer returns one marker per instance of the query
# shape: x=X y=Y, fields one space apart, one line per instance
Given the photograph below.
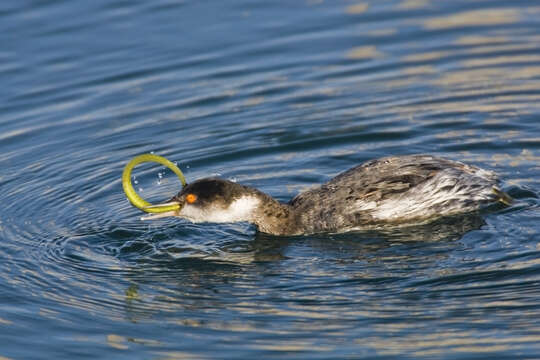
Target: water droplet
x=136 y=182
x=141 y=189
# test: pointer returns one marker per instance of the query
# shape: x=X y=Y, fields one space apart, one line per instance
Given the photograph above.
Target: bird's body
x=390 y=191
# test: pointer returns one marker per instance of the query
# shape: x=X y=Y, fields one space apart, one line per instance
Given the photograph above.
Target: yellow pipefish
x=132 y=195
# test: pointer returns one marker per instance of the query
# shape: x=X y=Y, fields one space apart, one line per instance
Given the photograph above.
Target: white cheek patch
x=241 y=209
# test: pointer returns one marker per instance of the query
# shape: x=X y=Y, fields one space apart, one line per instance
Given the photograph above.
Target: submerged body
x=390 y=191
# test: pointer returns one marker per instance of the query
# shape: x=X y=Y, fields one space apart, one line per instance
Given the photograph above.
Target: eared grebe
x=390 y=191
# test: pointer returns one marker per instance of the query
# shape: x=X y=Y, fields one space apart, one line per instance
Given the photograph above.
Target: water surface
x=280 y=96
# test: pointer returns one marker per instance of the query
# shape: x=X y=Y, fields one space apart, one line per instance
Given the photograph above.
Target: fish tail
x=503 y=197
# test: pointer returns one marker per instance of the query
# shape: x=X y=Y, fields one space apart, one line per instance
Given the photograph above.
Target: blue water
x=281 y=96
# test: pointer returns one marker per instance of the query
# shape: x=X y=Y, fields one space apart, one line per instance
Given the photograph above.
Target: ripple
x=280 y=99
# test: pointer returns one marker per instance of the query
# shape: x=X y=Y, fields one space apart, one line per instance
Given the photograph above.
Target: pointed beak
x=159 y=215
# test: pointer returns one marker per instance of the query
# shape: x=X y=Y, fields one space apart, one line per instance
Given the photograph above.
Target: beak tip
x=172 y=203
x=158 y=215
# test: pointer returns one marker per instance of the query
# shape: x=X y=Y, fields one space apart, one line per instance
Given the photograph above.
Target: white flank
x=241 y=209
x=418 y=201
x=362 y=205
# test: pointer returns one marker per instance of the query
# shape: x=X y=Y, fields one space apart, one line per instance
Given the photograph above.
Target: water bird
x=389 y=191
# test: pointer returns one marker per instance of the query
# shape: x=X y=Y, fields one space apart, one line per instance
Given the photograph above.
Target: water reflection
x=236 y=263
x=281 y=98
x=364 y=52
x=357 y=8
x=474 y=18
x=323 y=297
x=413 y=4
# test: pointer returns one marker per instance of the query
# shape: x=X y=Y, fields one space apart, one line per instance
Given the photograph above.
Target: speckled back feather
x=395 y=190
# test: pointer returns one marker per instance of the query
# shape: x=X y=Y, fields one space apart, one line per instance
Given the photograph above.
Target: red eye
x=191 y=198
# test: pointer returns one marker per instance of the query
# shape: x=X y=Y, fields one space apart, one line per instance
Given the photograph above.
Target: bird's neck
x=272 y=217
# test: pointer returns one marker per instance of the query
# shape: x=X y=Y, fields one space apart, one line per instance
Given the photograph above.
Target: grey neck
x=275 y=218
